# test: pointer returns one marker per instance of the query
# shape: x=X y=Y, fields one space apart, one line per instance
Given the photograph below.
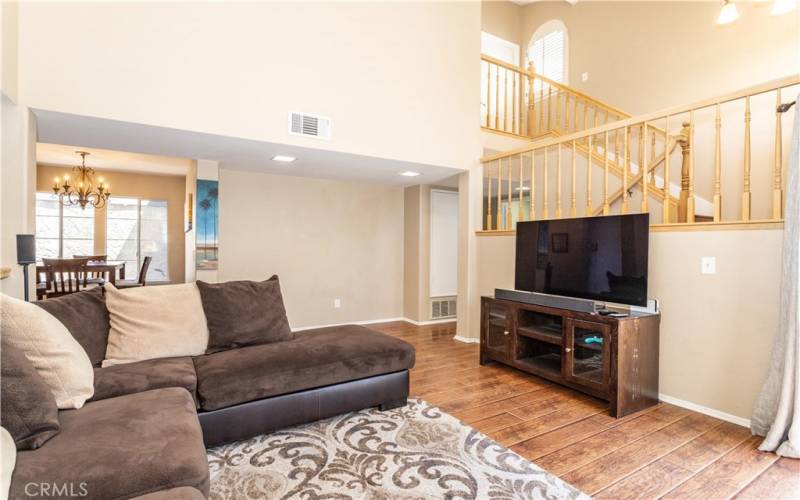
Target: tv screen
x=598 y=258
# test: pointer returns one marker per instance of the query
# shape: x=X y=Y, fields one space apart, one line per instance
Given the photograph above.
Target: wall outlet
x=337 y=303
x=585 y=76
x=708 y=265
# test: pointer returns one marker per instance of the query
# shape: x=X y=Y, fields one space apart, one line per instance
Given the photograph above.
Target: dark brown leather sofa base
x=265 y=415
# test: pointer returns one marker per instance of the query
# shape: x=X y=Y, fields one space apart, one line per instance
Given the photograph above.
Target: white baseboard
x=364 y=322
x=429 y=322
x=467 y=340
x=373 y=321
x=705 y=410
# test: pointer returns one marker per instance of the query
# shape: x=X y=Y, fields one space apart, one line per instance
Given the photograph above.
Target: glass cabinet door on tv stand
x=587 y=353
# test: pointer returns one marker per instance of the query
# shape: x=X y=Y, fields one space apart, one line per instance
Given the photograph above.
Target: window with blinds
x=62 y=231
x=549 y=51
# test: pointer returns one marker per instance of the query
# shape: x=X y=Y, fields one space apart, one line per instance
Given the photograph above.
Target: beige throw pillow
x=154 y=322
x=8 y=458
x=46 y=342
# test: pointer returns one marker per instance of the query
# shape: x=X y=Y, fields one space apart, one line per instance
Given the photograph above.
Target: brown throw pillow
x=86 y=317
x=29 y=411
x=242 y=313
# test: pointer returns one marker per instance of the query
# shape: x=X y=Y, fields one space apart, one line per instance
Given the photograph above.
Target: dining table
x=108 y=268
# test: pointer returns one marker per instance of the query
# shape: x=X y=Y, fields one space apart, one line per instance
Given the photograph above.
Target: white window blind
x=548 y=53
x=62 y=231
x=137 y=228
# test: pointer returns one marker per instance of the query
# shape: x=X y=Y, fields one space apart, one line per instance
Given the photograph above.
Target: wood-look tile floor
x=662 y=452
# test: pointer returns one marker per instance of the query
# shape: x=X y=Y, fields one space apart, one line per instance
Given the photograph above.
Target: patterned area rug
x=416 y=451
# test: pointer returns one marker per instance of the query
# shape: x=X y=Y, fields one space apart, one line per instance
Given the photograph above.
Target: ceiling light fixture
x=728 y=13
x=83 y=192
x=283 y=158
x=783 y=6
x=522 y=188
x=409 y=173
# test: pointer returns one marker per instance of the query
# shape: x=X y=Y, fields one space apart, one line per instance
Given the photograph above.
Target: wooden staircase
x=567 y=127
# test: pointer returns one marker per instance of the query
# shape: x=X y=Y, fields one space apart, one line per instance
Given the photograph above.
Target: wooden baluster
x=509 y=225
x=558 y=182
x=585 y=116
x=625 y=168
x=617 y=155
x=520 y=211
x=575 y=113
x=531 y=100
x=545 y=210
x=683 y=199
x=488 y=96
x=652 y=157
x=665 y=213
x=589 y=178
x=746 y=197
x=777 y=186
x=499 y=224
x=514 y=104
x=532 y=210
x=533 y=188
x=717 y=166
x=606 y=206
x=596 y=113
x=573 y=210
x=643 y=167
x=558 y=109
x=541 y=105
x=549 y=107
x=489 y=199
x=497 y=98
x=606 y=116
x=505 y=101
x=690 y=199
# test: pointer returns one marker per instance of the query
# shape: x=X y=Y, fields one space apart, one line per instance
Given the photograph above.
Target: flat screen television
x=597 y=258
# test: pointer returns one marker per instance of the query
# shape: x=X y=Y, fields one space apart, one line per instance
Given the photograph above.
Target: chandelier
x=83 y=190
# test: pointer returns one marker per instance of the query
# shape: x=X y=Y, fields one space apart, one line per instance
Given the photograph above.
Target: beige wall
x=152 y=187
x=325 y=239
x=412 y=250
x=8 y=48
x=645 y=56
x=17 y=188
x=716 y=330
x=503 y=19
x=237 y=68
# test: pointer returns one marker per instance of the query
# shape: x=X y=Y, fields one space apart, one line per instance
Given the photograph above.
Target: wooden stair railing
x=524 y=175
x=522 y=103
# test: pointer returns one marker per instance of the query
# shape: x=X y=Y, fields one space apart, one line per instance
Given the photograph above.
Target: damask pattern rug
x=413 y=452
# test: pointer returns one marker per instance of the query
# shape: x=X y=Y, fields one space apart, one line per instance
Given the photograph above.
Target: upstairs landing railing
x=542 y=181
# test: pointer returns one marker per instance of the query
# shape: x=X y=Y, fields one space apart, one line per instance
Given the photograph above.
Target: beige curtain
x=777 y=411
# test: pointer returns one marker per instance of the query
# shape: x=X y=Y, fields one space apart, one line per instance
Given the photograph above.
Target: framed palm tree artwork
x=207 y=224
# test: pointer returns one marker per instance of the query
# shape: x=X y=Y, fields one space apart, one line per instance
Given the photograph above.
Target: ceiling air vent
x=309 y=125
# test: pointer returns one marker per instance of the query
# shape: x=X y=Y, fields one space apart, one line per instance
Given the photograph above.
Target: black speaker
x=26 y=249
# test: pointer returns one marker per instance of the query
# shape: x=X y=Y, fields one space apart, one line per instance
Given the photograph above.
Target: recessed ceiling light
x=283 y=158
x=409 y=173
x=728 y=13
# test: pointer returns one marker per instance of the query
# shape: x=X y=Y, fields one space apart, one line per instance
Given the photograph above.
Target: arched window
x=549 y=50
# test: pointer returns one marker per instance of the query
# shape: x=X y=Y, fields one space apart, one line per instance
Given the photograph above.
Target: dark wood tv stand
x=614 y=359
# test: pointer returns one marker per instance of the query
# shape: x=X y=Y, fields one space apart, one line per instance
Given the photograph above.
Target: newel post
x=531 y=98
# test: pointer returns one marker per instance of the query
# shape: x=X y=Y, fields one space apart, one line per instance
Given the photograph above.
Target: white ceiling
x=82 y=132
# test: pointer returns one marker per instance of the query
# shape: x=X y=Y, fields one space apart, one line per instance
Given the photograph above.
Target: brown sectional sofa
x=144 y=432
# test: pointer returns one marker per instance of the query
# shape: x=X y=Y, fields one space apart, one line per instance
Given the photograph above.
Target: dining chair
x=95 y=277
x=142 y=281
x=64 y=276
